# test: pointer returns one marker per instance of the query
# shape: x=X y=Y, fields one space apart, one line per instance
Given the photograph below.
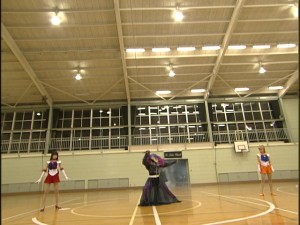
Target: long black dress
x=155 y=191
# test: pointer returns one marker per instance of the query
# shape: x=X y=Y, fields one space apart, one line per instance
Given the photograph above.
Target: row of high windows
x=147 y=122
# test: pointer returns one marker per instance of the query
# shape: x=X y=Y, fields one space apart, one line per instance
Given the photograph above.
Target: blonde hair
x=262 y=147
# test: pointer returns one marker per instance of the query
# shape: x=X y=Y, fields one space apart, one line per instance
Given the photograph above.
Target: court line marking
x=122 y=216
x=21 y=214
x=285 y=210
x=156 y=217
x=135 y=210
x=38 y=222
x=285 y=192
x=271 y=208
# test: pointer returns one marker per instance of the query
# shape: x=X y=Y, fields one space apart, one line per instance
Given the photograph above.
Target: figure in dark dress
x=155 y=191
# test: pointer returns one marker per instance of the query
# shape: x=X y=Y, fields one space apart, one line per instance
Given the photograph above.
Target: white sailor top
x=53 y=167
x=264 y=159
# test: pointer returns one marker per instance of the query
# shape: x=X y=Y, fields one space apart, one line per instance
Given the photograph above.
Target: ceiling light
x=261 y=46
x=295 y=9
x=135 y=50
x=237 y=47
x=160 y=49
x=55 y=20
x=242 y=89
x=275 y=87
x=197 y=90
x=172 y=73
x=178 y=15
x=261 y=68
x=78 y=75
x=211 y=47
x=286 y=45
x=163 y=92
x=186 y=49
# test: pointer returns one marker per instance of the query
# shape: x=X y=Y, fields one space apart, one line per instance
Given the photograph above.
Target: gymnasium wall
x=97 y=170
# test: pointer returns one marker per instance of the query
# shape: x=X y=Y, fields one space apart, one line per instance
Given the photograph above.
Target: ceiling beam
x=148 y=89
x=293 y=79
x=64 y=92
x=23 y=61
x=121 y=42
x=226 y=40
x=266 y=86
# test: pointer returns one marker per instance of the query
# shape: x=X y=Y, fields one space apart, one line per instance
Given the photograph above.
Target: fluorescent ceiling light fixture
x=161 y=49
x=55 y=20
x=242 y=89
x=286 y=45
x=221 y=125
x=186 y=49
x=211 y=47
x=275 y=87
x=198 y=90
x=237 y=47
x=261 y=46
x=135 y=50
x=163 y=92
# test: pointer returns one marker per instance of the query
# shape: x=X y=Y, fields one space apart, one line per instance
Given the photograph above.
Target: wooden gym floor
x=234 y=203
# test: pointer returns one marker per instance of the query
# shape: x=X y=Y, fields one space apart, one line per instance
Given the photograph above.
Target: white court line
x=156 y=217
x=271 y=208
x=285 y=192
x=134 y=212
x=64 y=209
x=285 y=210
x=21 y=214
x=37 y=222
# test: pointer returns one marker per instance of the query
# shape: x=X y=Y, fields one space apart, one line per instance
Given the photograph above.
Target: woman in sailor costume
x=52 y=170
x=265 y=168
x=155 y=191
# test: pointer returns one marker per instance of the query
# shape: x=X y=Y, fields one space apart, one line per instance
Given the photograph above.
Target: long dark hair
x=54 y=153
